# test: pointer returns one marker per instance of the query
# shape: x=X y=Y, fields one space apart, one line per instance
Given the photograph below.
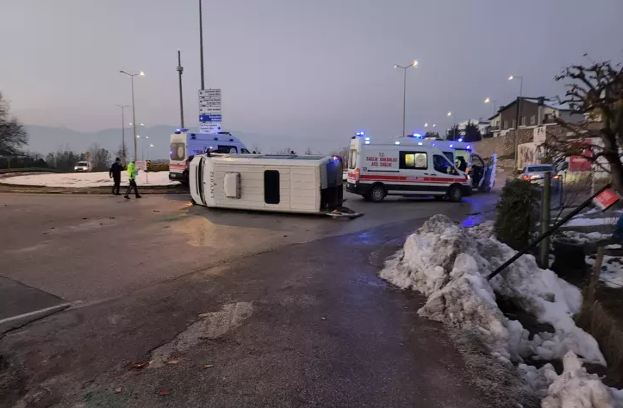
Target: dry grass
x=499 y=382
x=603 y=319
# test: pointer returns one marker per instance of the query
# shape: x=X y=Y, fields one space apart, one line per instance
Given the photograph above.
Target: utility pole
x=201 y=45
x=123 y=152
x=180 y=69
x=546 y=202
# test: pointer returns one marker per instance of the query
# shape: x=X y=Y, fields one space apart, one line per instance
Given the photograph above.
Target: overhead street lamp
x=123 y=152
x=494 y=102
x=404 y=92
x=133 y=107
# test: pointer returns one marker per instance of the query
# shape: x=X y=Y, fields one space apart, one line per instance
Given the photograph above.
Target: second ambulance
x=405 y=167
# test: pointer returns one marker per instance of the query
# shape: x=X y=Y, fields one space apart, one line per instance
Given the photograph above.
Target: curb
x=14 y=322
x=29 y=189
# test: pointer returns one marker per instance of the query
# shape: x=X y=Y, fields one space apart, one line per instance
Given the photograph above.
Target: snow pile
x=95 y=179
x=611 y=270
x=450 y=264
x=575 y=388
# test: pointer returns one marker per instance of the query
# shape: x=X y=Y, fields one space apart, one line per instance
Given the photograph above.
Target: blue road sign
x=210 y=118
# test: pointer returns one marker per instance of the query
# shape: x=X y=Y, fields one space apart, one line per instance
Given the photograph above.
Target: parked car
x=83 y=166
x=535 y=173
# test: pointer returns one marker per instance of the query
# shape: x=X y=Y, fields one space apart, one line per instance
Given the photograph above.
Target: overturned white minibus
x=284 y=183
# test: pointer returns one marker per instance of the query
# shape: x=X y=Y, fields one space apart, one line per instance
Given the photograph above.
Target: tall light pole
x=449 y=114
x=133 y=107
x=494 y=102
x=180 y=69
x=518 y=116
x=404 y=92
x=123 y=133
x=201 y=44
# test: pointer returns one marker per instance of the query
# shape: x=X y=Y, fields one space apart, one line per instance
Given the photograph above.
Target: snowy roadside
x=449 y=264
x=83 y=180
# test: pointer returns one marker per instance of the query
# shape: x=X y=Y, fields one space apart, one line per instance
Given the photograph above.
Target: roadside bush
x=516 y=213
x=158 y=167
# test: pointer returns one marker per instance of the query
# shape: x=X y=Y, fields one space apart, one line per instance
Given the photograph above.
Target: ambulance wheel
x=377 y=193
x=455 y=194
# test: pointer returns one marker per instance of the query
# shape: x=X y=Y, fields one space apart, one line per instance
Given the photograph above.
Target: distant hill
x=44 y=139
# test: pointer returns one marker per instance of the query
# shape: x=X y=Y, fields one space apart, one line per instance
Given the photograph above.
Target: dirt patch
x=210 y=326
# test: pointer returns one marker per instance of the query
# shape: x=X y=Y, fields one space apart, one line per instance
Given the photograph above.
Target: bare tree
x=595 y=91
x=100 y=157
x=12 y=133
x=286 y=150
x=122 y=152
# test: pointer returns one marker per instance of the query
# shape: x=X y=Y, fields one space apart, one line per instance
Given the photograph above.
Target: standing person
x=132 y=172
x=115 y=174
x=462 y=164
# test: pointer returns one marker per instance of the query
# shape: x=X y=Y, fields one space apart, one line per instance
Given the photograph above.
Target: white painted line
x=50 y=309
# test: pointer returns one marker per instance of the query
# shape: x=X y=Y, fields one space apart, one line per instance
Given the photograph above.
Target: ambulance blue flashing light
x=367 y=139
x=416 y=135
x=469 y=147
x=367 y=142
x=420 y=144
x=460 y=140
x=451 y=146
x=397 y=142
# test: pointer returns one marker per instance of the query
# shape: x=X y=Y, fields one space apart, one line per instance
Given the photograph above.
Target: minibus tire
x=455 y=194
x=377 y=193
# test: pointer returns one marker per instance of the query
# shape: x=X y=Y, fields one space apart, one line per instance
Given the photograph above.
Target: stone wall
x=503 y=146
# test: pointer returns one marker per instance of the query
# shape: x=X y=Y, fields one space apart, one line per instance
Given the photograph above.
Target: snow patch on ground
x=575 y=388
x=450 y=264
x=583 y=237
x=97 y=179
x=587 y=222
x=611 y=270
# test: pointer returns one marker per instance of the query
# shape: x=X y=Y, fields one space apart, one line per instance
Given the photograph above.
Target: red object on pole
x=606 y=199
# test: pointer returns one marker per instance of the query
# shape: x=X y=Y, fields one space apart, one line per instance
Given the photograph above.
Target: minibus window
x=352 y=159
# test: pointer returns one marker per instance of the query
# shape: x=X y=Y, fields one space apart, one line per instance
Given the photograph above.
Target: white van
x=407 y=167
x=184 y=146
x=284 y=183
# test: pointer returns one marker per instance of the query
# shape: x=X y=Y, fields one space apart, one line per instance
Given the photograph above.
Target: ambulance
x=185 y=145
x=406 y=167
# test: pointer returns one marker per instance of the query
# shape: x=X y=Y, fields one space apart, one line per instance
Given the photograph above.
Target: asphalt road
x=250 y=309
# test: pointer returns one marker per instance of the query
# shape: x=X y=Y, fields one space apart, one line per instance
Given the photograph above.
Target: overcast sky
x=293 y=67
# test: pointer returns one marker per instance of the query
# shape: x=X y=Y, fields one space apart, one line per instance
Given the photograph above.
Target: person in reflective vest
x=132 y=173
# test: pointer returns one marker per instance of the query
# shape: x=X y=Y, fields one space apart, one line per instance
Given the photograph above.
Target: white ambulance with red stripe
x=405 y=167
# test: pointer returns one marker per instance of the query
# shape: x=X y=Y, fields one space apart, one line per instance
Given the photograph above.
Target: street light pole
x=133 y=106
x=180 y=69
x=454 y=128
x=201 y=44
x=517 y=117
x=494 y=102
x=404 y=93
x=123 y=132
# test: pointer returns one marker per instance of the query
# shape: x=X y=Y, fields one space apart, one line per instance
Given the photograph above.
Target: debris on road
x=164 y=393
x=118 y=390
x=172 y=361
x=208 y=365
x=139 y=366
